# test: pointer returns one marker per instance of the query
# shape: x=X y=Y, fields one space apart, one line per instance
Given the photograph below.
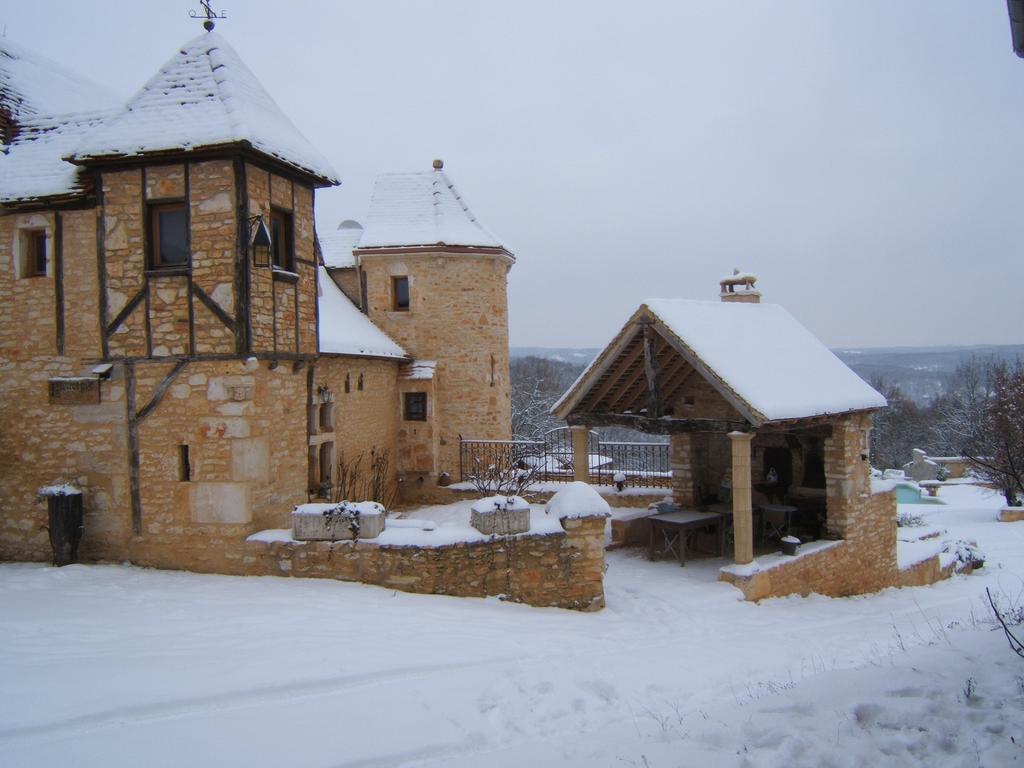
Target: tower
x=435 y=279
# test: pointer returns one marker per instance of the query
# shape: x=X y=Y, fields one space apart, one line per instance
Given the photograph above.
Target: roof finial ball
x=208 y=13
x=438 y=164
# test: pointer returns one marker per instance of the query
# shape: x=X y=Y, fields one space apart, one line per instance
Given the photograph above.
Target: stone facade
x=458 y=316
x=216 y=414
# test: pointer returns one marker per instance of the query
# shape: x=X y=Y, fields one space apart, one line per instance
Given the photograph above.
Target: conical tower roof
x=205 y=96
x=422 y=209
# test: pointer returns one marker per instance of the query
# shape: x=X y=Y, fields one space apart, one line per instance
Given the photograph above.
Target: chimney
x=738 y=288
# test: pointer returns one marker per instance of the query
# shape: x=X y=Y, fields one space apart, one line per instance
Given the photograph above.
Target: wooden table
x=670 y=528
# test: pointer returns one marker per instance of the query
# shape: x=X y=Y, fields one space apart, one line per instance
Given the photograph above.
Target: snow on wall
x=409 y=209
x=344 y=330
x=204 y=96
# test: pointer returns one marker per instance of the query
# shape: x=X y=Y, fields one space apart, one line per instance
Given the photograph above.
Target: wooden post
x=580 y=452
x=742 y=506
x=651 y=372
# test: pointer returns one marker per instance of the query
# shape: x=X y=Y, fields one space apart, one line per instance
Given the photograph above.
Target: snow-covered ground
x=121 y=666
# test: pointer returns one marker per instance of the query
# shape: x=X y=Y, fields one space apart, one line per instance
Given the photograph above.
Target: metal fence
x=551 y=458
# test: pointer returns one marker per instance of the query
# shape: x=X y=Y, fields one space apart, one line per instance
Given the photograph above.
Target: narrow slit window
x=184 y=465
x=326 y=465
x=348 y=382
x=327 y=417
x=400 y=293
x=359 y=384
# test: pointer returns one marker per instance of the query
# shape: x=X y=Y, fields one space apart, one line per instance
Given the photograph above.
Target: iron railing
x=551 y=459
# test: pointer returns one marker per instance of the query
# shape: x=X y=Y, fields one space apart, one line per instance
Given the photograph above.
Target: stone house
x=179 y=343
x=758 y=412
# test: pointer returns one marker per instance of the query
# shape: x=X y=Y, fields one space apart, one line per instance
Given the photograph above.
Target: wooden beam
x=669 y=382
x=161 y=390
x=101 y=264
x=126 y=310
x=58 y=279
x=622 y=363
x=133 y=449
x=661 y=426
x=629 y=392
x=213 y=306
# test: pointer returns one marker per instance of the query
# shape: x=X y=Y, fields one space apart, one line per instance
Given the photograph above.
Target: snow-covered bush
x=965 y=552
x=503 y=477
x=909 y=520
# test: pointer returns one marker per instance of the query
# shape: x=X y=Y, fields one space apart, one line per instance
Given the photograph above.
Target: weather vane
x=208 y=13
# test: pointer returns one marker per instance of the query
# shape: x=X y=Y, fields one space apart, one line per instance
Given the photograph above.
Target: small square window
x=400 y=293
x=168 y=233
x=33 y=247
x=415 y=406
x=282 y=254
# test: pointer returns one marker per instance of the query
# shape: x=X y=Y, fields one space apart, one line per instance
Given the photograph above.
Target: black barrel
x=65 y=526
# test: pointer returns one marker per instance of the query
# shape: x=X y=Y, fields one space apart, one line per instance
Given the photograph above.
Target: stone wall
x=364 y=414
x=847 y=476
x=865 y=561
x=458 y=316
x=562 y=570
x=41 y=444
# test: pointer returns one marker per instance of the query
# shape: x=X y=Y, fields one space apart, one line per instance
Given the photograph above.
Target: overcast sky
x=864 y=159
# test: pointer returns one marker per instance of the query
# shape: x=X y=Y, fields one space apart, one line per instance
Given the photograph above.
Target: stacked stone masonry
x=865 y=561
x=559 y=570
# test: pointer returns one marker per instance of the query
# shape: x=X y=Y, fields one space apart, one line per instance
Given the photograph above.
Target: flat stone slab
x=1011 y=514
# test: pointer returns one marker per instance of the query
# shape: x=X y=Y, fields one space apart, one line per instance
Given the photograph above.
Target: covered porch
x=769 y=430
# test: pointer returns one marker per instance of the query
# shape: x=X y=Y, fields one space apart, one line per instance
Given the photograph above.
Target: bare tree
x=960 y=413
x=366 y=477
x=502 y=477
x=898 y=429
x=995 y=445
x=537 y=383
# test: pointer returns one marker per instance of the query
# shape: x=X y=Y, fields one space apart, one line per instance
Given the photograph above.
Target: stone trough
x=343 y=521
x=501 y=515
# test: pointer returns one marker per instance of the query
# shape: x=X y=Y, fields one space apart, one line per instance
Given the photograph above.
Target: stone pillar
x=847 y=481
x=742 y=507
x=684 y=474
x=580 y=452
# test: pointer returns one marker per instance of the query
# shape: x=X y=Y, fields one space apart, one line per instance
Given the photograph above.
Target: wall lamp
x=259 y=238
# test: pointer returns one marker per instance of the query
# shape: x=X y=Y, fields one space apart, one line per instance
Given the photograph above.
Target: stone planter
x=337 y=522
x=790 y=544
x=501 y=515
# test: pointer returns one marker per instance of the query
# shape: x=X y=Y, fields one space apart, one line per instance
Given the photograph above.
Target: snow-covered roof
x=418 y=209
x=32 y=86
x=33 y=167
x=774 y=364
x=51 y=109
x=336 y=245
x=758 y=355
x=204 y=96
x=344 y=330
